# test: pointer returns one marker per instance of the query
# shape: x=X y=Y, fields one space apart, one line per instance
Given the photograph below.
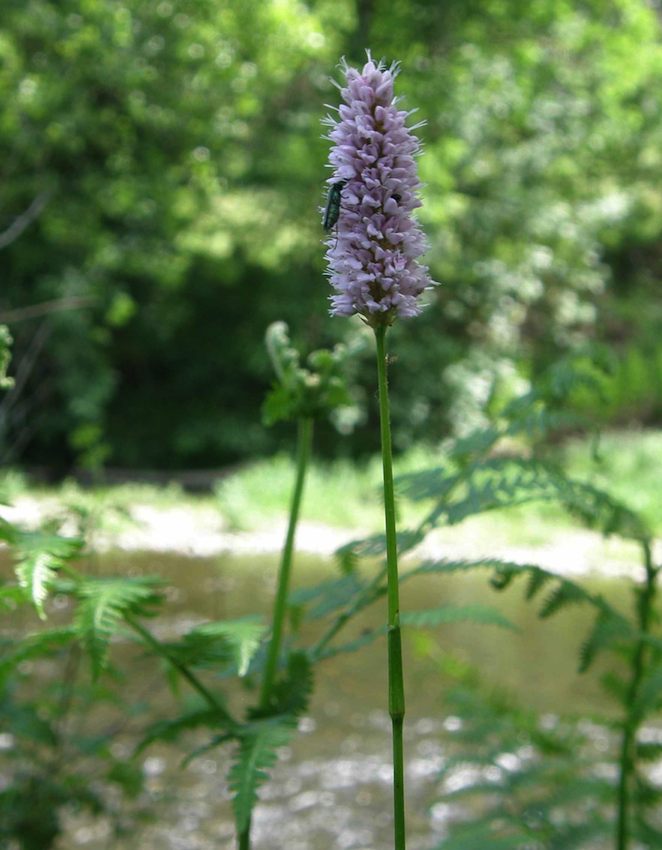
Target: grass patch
x=348 y=495
x=629 y=465
x=340 y=493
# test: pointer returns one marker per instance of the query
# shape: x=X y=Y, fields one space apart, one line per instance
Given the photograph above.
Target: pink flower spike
x=373 y=265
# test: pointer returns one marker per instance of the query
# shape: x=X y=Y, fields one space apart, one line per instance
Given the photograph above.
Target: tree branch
x=25 y=219
x=34 y=311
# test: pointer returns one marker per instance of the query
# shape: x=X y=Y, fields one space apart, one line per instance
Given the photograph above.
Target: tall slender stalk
x=304 y=444
x=627 y=762
x=396 y=691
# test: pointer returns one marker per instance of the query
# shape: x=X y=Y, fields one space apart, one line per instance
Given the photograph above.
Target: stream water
x=331 y=788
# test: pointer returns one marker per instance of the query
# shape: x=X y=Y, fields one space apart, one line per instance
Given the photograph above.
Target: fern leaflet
x=257 y=752
x=39 y=555
x=102 y=605
x=480 y=614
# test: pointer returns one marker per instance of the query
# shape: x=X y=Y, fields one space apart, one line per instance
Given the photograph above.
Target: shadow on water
x=331 y=788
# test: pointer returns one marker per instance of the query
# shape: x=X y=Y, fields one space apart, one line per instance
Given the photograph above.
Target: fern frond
x=212 y=641
x=537 y=422
x=506 y=482
x=366 y=638
x=347 y=559
x=171 y=730
x=103 y=603
x=564 y=594
x=11 y=596
x=375 y=545
x=479 y=614
x=34 y=645
x=38 y=556
x=216 y=741
x=329 y=595
x=537 y=580
x=426 y=484
x=607 y=631
x=476 y=443
x=257 y=752
x=649 y=698
x=292 y=693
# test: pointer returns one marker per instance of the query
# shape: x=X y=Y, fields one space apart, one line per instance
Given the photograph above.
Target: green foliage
x=609 y=631
x=38 y=556
x=487 y=471
x=257 y=752
x=104 y=603
x=314 y=391
x=5 y=357
x=483 y=615
x=506 y=482
x=213 y=643
x=539 y=158
x=33 y=645
x=29 y=809
x=527 y=798
x=328 y=596
x=518 y=779
x=200 y=716
x=58 y=753
x=521 y=779
x=292 y=693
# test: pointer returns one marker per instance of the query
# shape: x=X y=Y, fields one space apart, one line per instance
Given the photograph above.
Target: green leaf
x=243 y=636
x=649 y=697
x=170 y=730
x=256 y=754
x=607 y=632
x=375 y=545
x=5 y=357
x=11 y=596
x=566 y=593
x=328 y=596
x=365 y=638
x=35 y=645
x=103 y=603
x=505 y=482
x=480 y=614
x=292 y=693
x=38 y=557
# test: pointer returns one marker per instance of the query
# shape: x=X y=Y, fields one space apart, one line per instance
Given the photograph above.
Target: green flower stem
x=628 y=761
x=304 y=443
x=396 y=690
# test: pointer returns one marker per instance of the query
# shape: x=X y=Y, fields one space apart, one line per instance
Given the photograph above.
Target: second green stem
x=396 y=690
x=628 y=758
x=304 y=443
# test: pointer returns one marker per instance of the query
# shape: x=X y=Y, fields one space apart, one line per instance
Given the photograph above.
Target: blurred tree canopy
x=162 y=168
